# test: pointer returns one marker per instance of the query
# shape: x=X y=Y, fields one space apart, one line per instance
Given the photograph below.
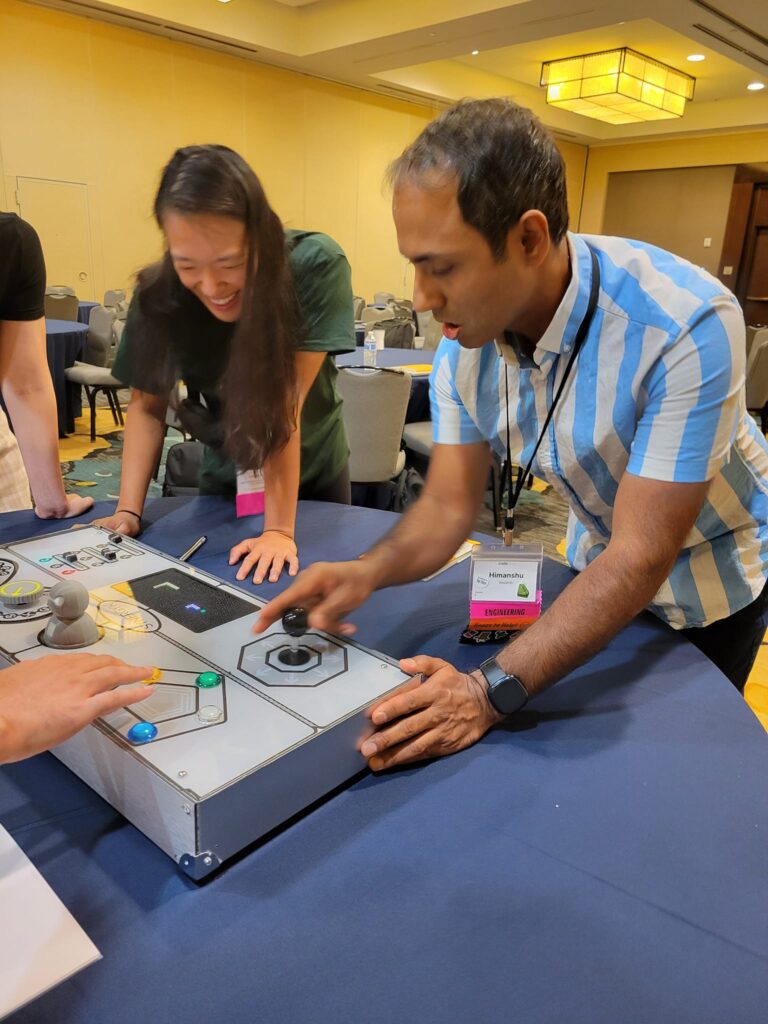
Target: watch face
x=505 y=692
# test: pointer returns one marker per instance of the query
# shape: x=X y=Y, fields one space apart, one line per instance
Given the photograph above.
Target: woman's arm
x=144 y=433
x=276 y=548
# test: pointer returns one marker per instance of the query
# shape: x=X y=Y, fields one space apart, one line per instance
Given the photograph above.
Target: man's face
x=457 y=277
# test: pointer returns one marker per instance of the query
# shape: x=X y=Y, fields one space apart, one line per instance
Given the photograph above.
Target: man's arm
x=451 y=709
x=423 y=540
x=276 y=546
x=31 y=402
x=143 y=440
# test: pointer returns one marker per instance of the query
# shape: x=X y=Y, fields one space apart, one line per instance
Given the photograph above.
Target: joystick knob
x=295 y=624
x=296 y=621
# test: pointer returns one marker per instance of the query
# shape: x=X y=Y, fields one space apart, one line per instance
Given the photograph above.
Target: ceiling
x=422 y=50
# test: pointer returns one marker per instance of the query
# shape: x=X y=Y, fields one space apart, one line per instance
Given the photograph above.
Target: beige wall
x=82 y=101
x=707 y=151
x=87 y=102
x=675 y=209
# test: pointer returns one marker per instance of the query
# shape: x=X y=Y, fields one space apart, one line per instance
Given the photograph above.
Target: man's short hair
x=506 y=163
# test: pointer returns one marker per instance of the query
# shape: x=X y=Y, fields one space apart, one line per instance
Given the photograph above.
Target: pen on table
x=195 y=547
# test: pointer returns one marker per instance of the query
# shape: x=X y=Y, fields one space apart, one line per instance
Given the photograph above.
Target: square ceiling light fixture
x=617 y=86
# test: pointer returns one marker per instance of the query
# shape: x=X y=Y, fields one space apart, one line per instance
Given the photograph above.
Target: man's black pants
x=732 y=643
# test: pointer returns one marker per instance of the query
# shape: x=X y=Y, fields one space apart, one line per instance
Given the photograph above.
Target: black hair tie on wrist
x=130 y=513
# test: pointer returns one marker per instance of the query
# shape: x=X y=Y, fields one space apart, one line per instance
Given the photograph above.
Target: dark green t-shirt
x=201 y=342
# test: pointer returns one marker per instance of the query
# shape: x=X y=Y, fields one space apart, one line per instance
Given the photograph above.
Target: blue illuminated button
x=142 y=732
x=207 y=680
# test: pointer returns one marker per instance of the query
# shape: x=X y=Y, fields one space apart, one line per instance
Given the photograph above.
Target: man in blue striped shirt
x=665 y=473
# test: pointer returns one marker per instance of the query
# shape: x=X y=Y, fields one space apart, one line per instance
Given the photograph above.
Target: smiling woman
x=246 y=315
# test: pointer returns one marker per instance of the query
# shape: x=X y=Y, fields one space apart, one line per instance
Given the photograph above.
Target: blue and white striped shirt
x=657 y=389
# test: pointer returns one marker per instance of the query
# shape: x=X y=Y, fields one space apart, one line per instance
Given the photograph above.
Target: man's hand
x=75 y=505
x=445 y=713
x=329 y=591
x=44 y=702
x=273 y=549
x=120 y=522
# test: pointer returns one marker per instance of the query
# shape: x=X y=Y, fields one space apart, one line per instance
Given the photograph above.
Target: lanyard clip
x=508 y=533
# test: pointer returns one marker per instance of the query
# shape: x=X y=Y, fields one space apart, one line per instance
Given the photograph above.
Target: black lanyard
x=522 y=474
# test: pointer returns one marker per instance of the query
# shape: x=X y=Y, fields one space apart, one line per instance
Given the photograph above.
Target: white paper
x=41 y=944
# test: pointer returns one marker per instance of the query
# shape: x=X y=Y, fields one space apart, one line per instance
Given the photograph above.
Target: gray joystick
x=295 y=624
x=70 y=626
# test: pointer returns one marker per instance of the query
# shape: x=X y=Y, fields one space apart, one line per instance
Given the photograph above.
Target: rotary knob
x=20 y=592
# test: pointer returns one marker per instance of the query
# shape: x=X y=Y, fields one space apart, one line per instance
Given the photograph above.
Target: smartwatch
x=505 y=692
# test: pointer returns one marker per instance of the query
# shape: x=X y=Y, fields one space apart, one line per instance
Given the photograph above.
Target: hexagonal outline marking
x=306 y=686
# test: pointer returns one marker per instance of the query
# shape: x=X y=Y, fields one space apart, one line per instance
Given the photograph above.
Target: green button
x=207 y=680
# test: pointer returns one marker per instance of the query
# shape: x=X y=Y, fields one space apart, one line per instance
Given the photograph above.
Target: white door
x=58 y=211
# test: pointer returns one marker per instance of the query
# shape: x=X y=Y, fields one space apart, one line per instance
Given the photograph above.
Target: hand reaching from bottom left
x=45 y=701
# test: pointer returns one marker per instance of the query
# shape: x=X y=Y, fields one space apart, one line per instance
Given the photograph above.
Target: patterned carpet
x=94 y=468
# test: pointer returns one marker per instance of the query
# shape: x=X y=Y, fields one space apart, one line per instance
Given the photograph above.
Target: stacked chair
x=61 y=302
x=93 y=372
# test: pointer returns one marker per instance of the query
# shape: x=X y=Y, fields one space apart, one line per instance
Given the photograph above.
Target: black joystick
x=295 y=624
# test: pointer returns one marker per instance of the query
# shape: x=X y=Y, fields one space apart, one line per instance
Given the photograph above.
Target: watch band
x=506 y=692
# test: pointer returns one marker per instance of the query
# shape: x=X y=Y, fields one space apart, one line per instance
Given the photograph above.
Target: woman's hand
x=120 y=522
x=273 y=549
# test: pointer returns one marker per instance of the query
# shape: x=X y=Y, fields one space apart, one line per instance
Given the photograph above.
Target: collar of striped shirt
x=560 y=336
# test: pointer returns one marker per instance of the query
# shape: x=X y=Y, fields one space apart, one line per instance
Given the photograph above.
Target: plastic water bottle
x=369 y=349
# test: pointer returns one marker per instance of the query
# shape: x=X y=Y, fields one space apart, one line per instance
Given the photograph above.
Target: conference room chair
x=358 y=305
x=60 y=306
x=757 y=377
x=382 y=298
x=417 y=439
x=371 y=314
x=375 y=403
x=429 y=329
x=93 y=373
x=113 y=297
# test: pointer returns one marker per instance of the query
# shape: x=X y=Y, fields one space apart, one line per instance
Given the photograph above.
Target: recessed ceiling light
x=694 y=58
x=223 y=1
x=475 y=53
x=756 y=86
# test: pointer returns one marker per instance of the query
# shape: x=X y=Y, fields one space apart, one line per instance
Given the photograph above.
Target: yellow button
x=155 y=676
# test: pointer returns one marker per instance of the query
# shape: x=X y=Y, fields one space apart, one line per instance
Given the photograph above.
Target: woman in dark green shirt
x=247 y=316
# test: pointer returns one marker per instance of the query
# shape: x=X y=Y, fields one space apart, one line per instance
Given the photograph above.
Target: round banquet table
x=601 y=858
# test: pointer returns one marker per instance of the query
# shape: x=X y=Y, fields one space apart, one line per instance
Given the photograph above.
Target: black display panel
x=190 y=602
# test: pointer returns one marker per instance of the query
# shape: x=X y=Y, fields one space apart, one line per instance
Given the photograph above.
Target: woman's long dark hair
x=258 y=386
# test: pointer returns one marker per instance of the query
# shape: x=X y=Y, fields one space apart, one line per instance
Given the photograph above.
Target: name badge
x=250 y=494
x=505 y=586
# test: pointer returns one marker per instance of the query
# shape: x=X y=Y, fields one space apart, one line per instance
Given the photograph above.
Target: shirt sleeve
x=323 y=282
x=451 y=422
x=128 y=366
x=25 y=296
x=694 y=399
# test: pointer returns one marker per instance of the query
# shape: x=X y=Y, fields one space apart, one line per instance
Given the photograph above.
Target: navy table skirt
x=64 y=342
x=601 y=859
x=84 y=311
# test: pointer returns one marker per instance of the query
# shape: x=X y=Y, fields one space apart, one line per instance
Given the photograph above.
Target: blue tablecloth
x=418 y=403
x=64 y=343
x=602 y=859
x=84 y=311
